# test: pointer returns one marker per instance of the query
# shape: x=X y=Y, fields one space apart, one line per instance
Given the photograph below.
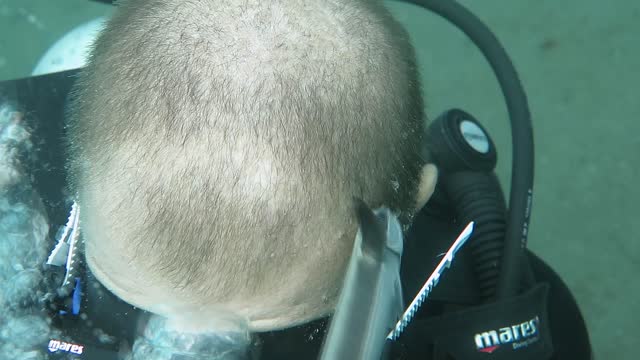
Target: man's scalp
x=222 y=139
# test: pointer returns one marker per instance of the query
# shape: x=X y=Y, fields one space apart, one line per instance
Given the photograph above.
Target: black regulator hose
x=522 y=137
x=466 y=157
x=476 y=199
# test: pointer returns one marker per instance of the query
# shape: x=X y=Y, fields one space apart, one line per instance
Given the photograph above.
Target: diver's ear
x=428 y=179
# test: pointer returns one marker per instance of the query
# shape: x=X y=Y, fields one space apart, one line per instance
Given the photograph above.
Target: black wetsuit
x=434 y=229
x=430 y=235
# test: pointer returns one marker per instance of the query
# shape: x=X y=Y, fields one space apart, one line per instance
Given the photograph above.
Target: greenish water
x=578 y=61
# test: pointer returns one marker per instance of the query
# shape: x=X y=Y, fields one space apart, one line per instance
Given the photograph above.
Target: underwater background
x=579 y=63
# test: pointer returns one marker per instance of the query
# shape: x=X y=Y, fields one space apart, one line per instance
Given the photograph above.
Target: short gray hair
x=232 y=139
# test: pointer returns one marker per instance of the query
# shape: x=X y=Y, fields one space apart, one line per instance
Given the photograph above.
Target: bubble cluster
x=23 y=247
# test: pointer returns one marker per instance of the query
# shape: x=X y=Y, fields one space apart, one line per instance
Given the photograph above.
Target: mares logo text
x=55 y=345
x=519 y=335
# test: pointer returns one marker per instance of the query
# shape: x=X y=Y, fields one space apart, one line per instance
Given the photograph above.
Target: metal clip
x=431 y=282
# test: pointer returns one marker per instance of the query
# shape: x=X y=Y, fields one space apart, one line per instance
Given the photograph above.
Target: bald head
x=215 y=147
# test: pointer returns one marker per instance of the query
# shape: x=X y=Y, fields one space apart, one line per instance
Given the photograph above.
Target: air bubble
x=395 y=184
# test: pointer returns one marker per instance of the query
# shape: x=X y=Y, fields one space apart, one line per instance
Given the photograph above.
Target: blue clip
x=77 y=296
x=76 y=299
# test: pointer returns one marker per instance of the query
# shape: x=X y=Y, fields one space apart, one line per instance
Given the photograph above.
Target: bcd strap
x=516 y=328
